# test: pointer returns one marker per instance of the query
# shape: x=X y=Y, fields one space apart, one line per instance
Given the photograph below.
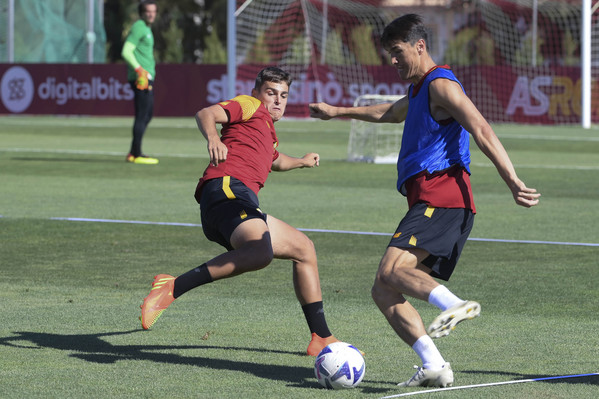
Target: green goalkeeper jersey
x=142 y=38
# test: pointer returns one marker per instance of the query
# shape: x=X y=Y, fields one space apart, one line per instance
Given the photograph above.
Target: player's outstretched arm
x=323 y=111
x=378 y=113
x=285 y=162
x=448 y=99
x=207 y=118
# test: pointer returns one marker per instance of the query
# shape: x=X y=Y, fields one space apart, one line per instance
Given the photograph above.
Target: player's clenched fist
x=321 y=111
x=311 y=160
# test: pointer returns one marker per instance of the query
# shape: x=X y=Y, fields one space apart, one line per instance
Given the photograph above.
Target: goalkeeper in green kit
x=138 y=52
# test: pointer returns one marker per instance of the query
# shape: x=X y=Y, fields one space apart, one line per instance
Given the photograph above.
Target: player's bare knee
x=374 y=292
x=385 y=276
x=264 y=257
x=378 y=292
x=308 y=250
x=392 y=278
x=259 y=253
x=303 y=250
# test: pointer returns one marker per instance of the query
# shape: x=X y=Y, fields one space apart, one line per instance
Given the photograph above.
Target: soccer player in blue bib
x=433 y=171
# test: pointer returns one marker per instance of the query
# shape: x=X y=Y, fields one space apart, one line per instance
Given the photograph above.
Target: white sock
x=428 y=352
x=442 y=298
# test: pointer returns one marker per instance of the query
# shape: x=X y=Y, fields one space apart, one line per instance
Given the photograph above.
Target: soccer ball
x=339 y=365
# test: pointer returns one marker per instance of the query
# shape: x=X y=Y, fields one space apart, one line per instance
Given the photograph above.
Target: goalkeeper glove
x=143 y=78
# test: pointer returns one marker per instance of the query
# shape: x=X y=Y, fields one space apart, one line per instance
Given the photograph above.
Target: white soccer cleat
x=447 y=320
x=430 y=378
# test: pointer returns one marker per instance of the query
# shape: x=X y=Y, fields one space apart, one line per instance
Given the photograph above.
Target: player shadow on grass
x=91 y=348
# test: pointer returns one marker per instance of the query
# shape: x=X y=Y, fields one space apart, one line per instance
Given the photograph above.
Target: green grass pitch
x=70 y=290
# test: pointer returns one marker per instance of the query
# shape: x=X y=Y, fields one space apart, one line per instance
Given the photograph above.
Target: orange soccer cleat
x=160 y=297
x=317 y=344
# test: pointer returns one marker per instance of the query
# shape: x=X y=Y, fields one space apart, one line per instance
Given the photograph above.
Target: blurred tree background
x=185 y=31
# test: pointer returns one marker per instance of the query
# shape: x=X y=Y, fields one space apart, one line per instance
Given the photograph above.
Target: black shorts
x=442 y=232
x=225 y=203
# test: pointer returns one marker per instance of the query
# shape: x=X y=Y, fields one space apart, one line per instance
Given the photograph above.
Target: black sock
x=314 y=313
x=193 y=278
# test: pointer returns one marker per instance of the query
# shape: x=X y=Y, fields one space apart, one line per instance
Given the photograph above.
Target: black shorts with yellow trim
x=442 y=232
x=225 y=203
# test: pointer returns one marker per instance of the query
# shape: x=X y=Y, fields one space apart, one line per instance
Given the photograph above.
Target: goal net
x=331 y=41
x=520 y=60
x=57 y=31
x=374 y=142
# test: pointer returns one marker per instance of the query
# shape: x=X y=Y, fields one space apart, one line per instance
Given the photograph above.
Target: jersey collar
x=419 y=84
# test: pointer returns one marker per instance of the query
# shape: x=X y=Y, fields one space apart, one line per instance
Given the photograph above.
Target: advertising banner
x=100 y=89
x=503 y=94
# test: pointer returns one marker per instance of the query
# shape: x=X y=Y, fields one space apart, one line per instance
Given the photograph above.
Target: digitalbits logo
x=17 y=89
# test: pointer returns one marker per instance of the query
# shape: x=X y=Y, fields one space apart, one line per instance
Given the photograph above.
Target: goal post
x=374 y=142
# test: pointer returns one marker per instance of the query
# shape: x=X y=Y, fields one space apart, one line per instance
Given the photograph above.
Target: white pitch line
x=364 y=233
x=128 y=222
x=545 y=138
x=584 y=244
x=488 y=385
x=556 y=167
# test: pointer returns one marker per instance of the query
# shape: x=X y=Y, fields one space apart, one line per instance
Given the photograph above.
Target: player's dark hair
x=272 y=74
x=408 y=28
x=142 y=5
